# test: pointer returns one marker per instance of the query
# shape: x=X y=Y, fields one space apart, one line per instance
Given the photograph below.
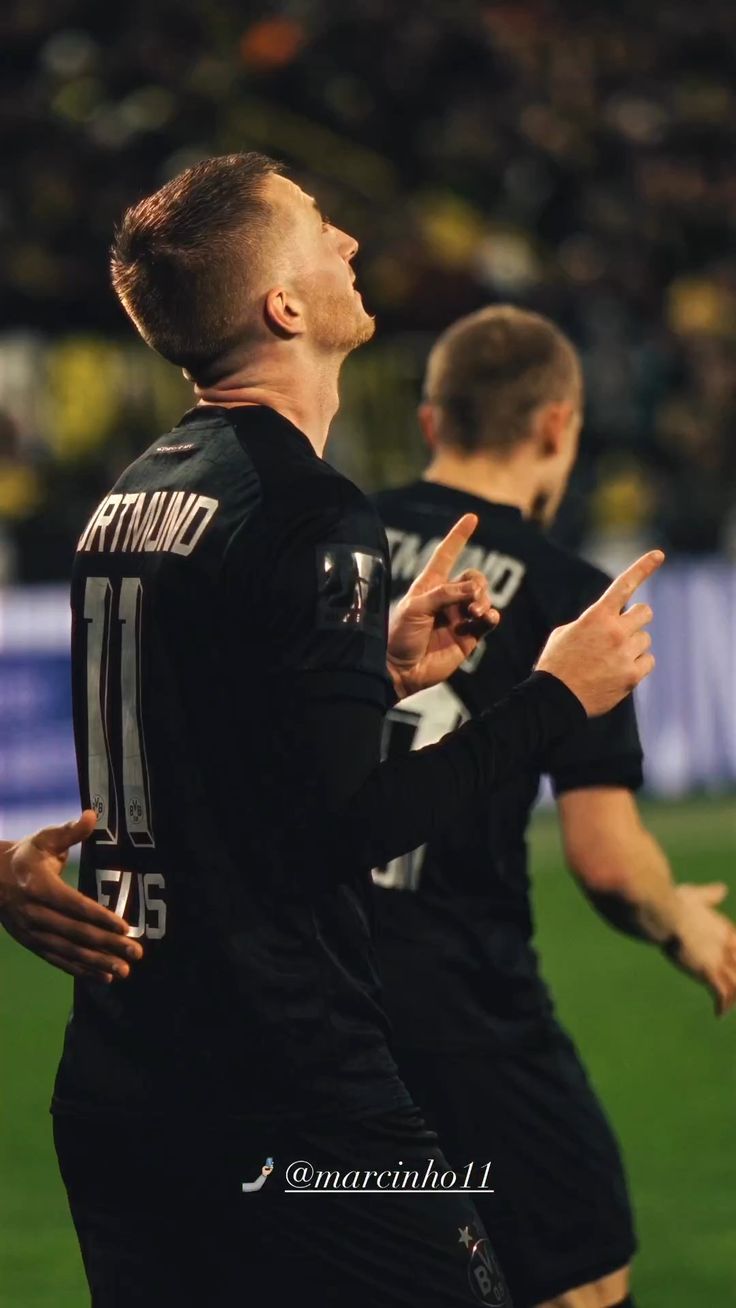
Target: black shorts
x=163 y=1221
x=560 y=1215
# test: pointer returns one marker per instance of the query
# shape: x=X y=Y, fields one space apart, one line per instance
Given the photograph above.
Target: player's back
x=455 y=919
x=182 y=731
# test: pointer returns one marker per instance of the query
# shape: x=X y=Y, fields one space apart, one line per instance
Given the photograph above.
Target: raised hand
x=439 y=622
x=603 y=655
x=52 y=919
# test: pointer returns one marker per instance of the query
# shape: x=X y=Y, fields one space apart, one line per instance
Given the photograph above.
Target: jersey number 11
x=114 y=618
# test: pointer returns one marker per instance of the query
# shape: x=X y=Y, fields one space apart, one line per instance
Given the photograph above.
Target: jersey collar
x=243 y=416
x=437 y=491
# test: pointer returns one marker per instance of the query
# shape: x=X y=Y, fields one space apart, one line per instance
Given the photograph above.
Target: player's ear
x=428 y=422
x=552 y=424
x=283 y=313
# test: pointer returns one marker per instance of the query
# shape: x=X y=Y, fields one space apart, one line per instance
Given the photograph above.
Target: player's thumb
x=714 y=893
x=59 y=839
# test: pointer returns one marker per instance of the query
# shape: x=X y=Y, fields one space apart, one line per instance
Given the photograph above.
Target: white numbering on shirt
x=111 y=617
x=427 y=716
x=113 y=891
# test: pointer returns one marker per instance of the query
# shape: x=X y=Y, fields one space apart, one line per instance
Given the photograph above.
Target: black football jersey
x=229 y=603
x=228 y=574
x=454 y=916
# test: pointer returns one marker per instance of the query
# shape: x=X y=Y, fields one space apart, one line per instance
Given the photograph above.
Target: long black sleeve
x=340 y=806
x=414 y=799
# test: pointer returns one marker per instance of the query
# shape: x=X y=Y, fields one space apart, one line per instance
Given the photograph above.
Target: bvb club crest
x=484 y=1274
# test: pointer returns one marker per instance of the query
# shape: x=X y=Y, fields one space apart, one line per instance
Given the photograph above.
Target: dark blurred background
x=573 y=157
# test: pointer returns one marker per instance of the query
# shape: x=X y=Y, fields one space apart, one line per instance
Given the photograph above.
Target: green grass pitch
x=665 y=1068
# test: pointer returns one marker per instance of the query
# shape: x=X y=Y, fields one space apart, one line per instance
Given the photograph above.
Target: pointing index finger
x=449 y=550
x=620 y=591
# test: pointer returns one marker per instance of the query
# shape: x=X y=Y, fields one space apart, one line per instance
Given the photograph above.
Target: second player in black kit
x=476 y=1035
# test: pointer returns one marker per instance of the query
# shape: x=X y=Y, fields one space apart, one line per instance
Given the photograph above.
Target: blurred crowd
x=574 y=157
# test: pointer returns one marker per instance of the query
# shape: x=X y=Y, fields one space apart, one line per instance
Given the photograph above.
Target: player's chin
x=362 y=332
x=366 y=325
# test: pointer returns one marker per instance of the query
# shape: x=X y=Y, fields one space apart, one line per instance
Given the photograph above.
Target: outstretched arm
x=627 y=877
x=389 y=809
x=323 y=652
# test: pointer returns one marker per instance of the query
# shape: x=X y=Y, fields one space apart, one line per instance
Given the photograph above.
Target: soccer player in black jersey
x=230 y=677
x=477 y=1039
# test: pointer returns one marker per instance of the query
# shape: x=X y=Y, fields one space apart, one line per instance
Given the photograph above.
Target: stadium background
x=573 y=157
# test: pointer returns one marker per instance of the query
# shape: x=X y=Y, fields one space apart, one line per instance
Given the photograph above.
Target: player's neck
x=488 y=479
x=306 y=395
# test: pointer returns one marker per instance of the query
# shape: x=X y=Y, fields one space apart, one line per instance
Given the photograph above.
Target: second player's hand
x=604 y=654
x=439 y=622
x=706 y=942
x=52 y=919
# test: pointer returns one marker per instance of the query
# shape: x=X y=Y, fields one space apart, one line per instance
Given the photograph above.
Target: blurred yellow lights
x=624 y=499
x=701 y=306
x=451 y=228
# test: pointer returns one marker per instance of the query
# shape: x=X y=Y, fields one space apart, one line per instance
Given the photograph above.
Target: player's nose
x=347 y=245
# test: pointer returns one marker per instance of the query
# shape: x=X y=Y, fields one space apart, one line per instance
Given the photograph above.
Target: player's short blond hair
x=489 y=372
x=183 y=259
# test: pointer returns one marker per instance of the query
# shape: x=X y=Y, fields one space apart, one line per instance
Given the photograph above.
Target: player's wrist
x=671 y=948
x=679 y=936
x=568 y=707
x=662 y=922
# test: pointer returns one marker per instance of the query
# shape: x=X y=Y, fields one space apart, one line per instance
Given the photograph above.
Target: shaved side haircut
x=489 y=372
x=185 y=261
